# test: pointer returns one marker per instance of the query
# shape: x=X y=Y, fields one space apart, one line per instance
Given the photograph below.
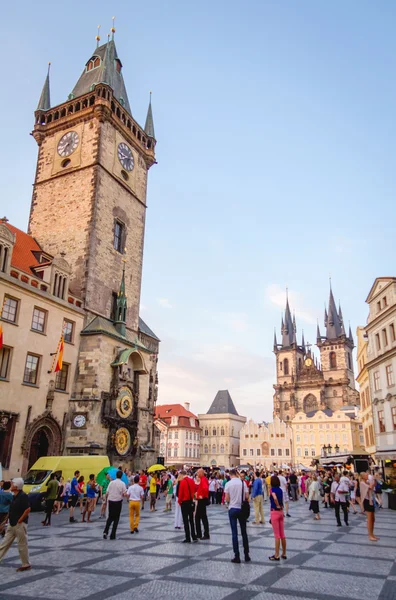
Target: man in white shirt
x=338 y=494
x=115 y=494
x=135 y=494
x=283 y=484
x=236 y=492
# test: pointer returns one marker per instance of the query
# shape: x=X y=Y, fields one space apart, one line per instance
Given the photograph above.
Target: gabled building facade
x=180 y=434
x=266 y=445
x=306 y=384
x=381 y=367
x=221 y=427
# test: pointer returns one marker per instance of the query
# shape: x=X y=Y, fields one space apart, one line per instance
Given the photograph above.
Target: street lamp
x=337 y=448
x=324 y=450
x=329 y=449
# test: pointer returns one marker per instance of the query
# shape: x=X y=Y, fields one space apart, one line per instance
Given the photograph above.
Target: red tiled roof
x=172 y=410
x=22 y=255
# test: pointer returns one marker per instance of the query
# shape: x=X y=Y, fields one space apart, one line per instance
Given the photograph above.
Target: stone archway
x=43 y=437
x=310 y=403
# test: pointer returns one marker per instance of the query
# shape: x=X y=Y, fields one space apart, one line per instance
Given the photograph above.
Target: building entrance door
x=38 y=447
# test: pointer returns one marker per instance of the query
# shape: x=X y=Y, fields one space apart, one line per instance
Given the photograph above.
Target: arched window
x=286 y=366
x=206 y=449
x=222 y=449
x=333 y=360
x=298 y=451
x=214 y=449
x=206 y=432
x=214 y=431
x=222 y=431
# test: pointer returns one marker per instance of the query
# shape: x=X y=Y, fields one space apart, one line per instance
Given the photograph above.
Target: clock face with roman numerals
x=68 y=143
x=125 y=156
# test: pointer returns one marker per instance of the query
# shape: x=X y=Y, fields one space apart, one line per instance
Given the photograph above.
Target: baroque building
x=88 y=208
x=180 y=435
x=221 y=427
x=381 y=367
x=266 y=445
x=305 y=384
x=364 y=388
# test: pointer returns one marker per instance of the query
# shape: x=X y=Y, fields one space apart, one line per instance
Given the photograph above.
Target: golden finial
x=98 y=37
x=113 y=29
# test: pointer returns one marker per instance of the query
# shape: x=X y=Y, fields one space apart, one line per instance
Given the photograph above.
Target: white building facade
x=264 y=445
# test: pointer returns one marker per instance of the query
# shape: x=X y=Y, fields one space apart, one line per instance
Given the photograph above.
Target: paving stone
x=173 y=590
x=221 y=571
x=136 y=563
x=351 y=564
x=360 y=550
x=338 y=585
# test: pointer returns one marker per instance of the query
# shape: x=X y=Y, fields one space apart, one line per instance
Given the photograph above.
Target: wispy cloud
x=277 y=296
x=164 y=303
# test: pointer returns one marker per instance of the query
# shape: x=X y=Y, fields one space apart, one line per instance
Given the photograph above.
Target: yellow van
x=38 y=476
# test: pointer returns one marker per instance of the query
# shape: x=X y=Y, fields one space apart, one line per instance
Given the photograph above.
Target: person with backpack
x=237 y=498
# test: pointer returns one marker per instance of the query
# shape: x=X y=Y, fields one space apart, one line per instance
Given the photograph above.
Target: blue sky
x=276 y=166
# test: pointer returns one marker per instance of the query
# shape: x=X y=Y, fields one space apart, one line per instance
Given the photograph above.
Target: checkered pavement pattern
x=324 y=561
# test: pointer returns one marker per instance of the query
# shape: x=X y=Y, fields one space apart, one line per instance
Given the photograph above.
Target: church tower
x=336 y=358
x=89 y=195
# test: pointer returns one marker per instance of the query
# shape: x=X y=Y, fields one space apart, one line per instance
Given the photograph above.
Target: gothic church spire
x=45 y=100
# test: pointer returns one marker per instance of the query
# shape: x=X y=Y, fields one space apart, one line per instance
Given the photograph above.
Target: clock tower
x=89 y=194
x=89 y=204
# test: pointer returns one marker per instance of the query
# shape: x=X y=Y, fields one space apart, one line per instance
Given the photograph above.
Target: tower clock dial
x=308 y=362
x=125 y=156
x=68 y=143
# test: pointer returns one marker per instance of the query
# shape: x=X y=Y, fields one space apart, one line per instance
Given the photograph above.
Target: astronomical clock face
x=308 y=362
x=122 y=441
x=68 y=143
x=124 y=403
x=125 y=156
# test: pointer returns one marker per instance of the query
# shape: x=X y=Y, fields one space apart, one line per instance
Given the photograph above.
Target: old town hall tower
x=89 y=208
x=303 y=383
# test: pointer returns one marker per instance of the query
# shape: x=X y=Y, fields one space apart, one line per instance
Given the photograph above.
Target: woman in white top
x=314 y=496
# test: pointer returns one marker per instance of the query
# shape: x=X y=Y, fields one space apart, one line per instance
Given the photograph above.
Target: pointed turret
x=149 y=125
x=275 y=341
x=288 y=332
x=303 y=343
x=104 y=66
x=350 y=336
x=318 y=336
x=121 y=306
x=334 y=327
x=45 y=100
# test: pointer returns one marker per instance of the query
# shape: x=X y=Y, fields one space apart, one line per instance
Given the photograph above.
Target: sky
x=276 y=166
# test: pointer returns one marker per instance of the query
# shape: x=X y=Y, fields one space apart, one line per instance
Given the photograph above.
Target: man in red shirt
x=143 y=484
x=185 y=497
x=202 y=497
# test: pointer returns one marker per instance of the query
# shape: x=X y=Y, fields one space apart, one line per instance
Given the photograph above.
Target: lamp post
x=324 y=451
x=337 y=448
x=329 y=449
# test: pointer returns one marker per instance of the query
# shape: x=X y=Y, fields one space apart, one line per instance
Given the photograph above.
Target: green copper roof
x=107 y=72
x=45 y=101
x=102 y=326
x=149 y=126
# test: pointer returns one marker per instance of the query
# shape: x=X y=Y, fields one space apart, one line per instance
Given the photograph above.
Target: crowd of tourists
x=188 y=494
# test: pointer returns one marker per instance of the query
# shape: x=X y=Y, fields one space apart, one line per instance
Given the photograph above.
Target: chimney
x=187 y=405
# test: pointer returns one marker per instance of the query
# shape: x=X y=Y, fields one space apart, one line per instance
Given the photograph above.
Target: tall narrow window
x=384 y=337
x=31 y=369
x=68 y=330
x=3 y=257
x=377 y=381
x=10 y=309
x=39 y=319
x=333 y=360
x=384 y=302
x=389 y=375
x=378 y=341
x=392 y=332
x=62 y=377
x=118 y=242
x=286 y=366
x=5 y=362
x=381 y=421
x=349 y=361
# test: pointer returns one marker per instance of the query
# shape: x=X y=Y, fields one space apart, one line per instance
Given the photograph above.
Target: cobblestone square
x=324 y=561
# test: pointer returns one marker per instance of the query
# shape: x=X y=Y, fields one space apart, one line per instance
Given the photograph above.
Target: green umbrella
x=101 y=477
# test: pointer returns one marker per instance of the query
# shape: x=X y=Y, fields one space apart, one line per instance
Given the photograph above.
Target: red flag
x=59 y=362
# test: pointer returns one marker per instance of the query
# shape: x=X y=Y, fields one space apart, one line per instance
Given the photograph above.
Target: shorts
x=285 y=496
x=90 y=503
x=367 y=506
x=74 y=500
x=314 y=506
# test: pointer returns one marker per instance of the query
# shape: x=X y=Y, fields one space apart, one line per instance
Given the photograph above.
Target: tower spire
x=45 y=101
x=121 y=305
x=275 y=341
x=288 y=327
x=333 y=323
x=303 y=342
x=149 y=126
x=318 y=336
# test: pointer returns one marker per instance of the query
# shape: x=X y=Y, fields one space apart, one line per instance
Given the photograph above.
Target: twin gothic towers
x=303 y=383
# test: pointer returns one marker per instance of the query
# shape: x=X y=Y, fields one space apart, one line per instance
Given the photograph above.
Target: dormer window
x=93 y=63
x=118 y=65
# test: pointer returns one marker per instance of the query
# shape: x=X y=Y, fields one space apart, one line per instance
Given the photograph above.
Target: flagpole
x=56 y=353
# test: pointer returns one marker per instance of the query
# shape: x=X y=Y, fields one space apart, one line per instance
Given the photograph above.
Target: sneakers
x=105 y=536
x=73 y=520
x=132 y=531
x=186 y=542
x=136 y=530
x=247 y=558
x=205 y=537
